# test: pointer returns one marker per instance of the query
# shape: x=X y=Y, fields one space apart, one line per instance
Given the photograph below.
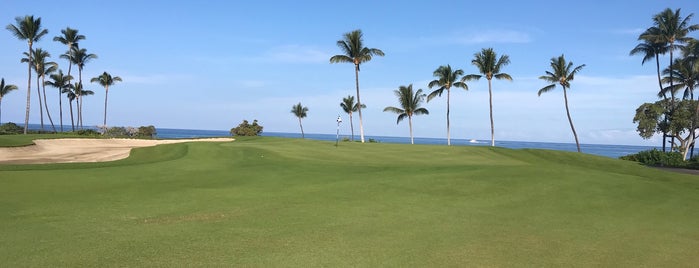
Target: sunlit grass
x=291 y=202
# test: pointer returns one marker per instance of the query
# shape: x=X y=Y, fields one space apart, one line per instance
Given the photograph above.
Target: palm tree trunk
x=0 y=110
x=38 y=93
x=565 y=97
x=301 y=125
x=660 y=84
x=29 y=89
x=72 y=122
x=359 y=102
x=448 y=136
x=70 y=65
x=106 y=93
x=672 y=92
x=410 y=124
x=351 y=125
x=60 y=108
x=46 y=104
x=80 y=98
x=492 y=125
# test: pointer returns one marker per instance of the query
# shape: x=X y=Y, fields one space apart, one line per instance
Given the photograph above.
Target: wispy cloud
x=155 y=79
x=294 y=54
x=491 y=36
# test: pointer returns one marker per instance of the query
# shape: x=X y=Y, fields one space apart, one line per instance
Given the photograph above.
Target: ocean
x=612 y=151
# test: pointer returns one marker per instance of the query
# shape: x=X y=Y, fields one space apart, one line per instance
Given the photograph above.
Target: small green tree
x=247 y=129
x=680 y=125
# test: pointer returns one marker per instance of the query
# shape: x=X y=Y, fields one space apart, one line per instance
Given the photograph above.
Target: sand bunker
x=82 y=150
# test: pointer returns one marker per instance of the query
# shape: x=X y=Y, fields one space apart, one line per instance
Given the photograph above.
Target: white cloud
x=294 y=54
x=491 y=36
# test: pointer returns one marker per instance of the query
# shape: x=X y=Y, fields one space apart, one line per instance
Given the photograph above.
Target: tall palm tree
x=352 y=45
x=650 y=49
x=42 y=68
x=410 y=103
x=562 y=74
x=299 y=111
x=28 y=29
x=70 y=38
x=446 y=78
x=80 y=57
x=62 y=83
x=489 y=65
x=349 y=106
x=4 y=90
x=670 y=29
x=105 y=80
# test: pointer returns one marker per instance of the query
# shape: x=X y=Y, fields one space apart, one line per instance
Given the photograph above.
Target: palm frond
x=433 y=94
x=546 y=89
x=503 y=76
x=471 y=77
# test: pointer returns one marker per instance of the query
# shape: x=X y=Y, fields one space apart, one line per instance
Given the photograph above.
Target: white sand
x=81 y=150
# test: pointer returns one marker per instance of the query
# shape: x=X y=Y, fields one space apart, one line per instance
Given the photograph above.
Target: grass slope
x=290 y=202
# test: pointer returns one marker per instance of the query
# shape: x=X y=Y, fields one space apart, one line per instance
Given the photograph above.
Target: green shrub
x=87 y=132
x=656 y=157
x=117 y=132
x=247 y=129
x=146 y=132
x=10 y=128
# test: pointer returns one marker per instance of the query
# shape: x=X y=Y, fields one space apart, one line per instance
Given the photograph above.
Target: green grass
x=288 y=202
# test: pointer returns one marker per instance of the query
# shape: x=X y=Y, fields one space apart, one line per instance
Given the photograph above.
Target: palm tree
x=72 y=95
x=62 y=83
x=670 y=30
x=446 y=78
x=352 y=45
x=650 y=50
x=69 y=38
x=684 y=74
x=28 y=29
x=299 y=111
x=489 y=65
x=80 y=92
x=410 y=103
x=562 y=74
x=42 y=68
x=105 y=80
x=80 y=57
x=349 y=106
x=4 y=90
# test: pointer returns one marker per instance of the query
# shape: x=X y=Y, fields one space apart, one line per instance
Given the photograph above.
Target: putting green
x=268 y=201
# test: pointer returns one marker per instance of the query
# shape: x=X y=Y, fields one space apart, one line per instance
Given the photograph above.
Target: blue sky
x=211 y=64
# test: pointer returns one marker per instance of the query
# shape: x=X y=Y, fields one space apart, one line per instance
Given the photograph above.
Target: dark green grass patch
x=288 y=202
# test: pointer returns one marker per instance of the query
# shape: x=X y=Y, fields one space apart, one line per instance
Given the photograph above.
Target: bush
x=117 y=132
x=246 y=129
x=87 y=132
x=147 y=132
x=10 y=128
x=656 y=157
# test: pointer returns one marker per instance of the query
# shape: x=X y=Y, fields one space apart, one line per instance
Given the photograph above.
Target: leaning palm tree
x=446 y=78
x=4 y=90
x=81 y=91
x=80 y=57
x=62 y=83
x=349 y=106
x=105 y=80
x=299 y=111
x=352 y=45
x=562 y=74
x=28 y=29
x=410 y=103
x=489 y=65
x=42 y=68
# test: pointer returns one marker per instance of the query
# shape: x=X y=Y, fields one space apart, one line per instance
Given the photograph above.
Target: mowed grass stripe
x=288 y=202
